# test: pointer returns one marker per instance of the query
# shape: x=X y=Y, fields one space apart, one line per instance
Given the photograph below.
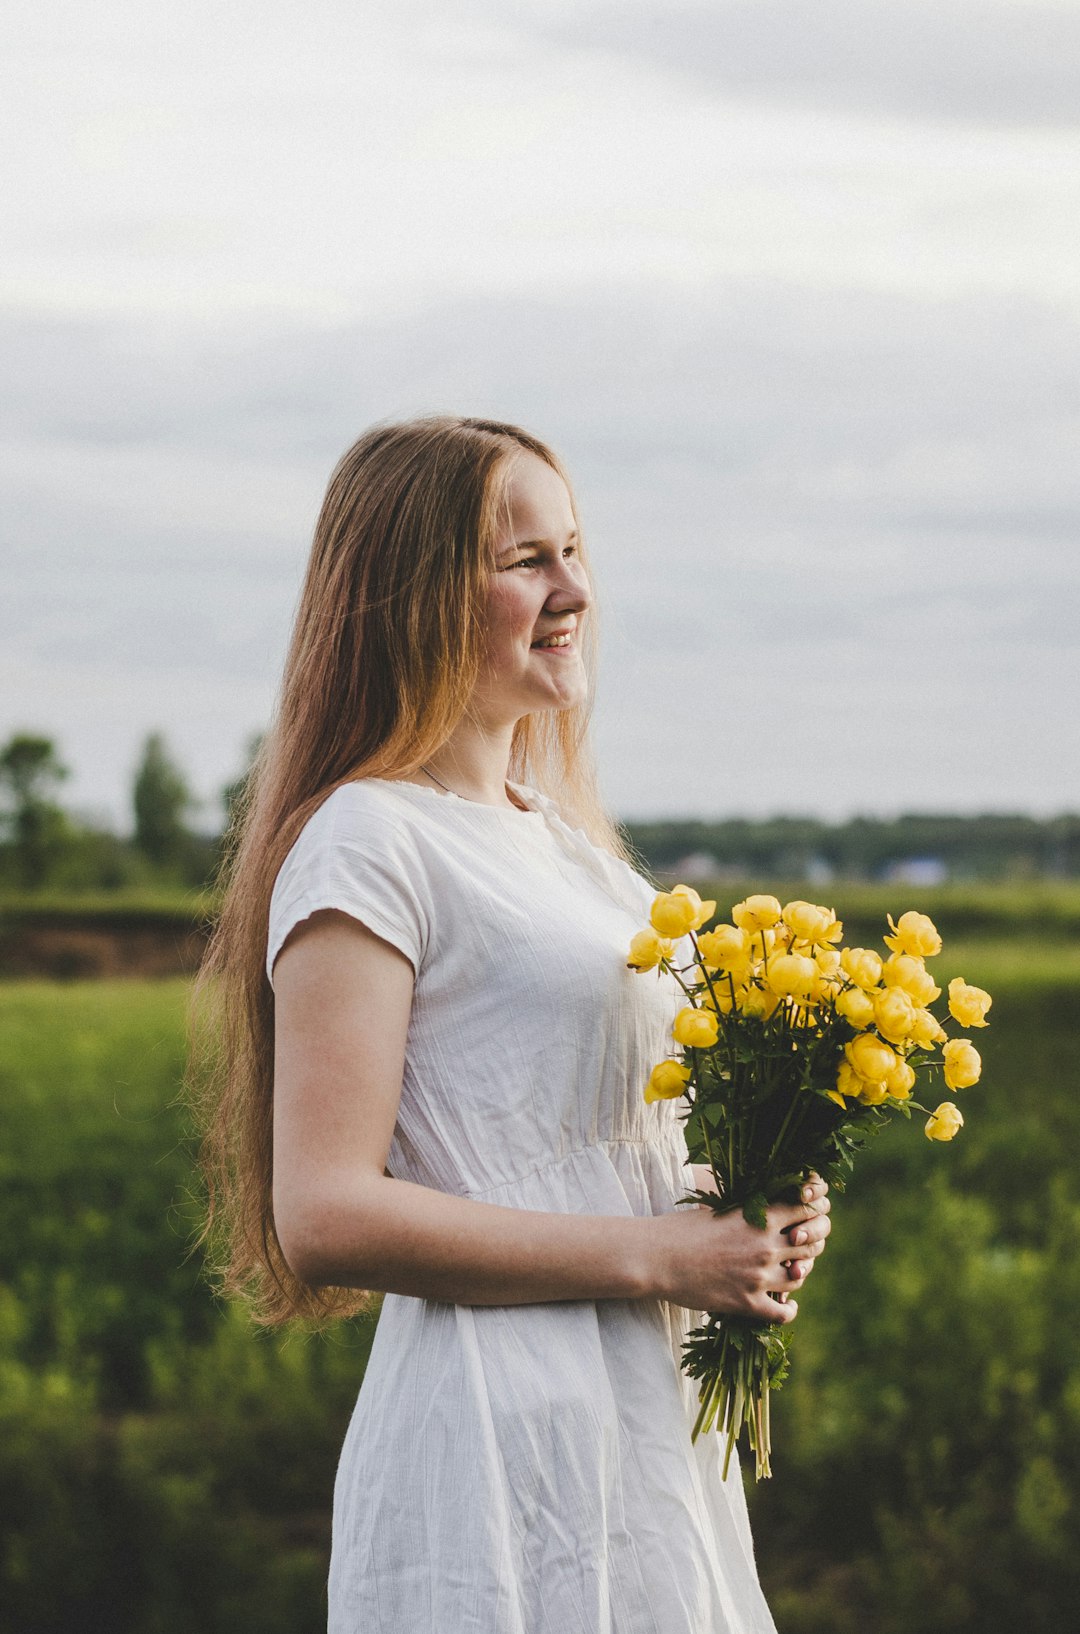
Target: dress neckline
x=527 y=795
x=613 y=874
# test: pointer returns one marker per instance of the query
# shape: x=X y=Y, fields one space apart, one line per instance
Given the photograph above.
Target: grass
x=125 y=905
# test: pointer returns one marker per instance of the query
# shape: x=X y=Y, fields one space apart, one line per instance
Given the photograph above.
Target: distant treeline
x=46 y=848
x=915 y=849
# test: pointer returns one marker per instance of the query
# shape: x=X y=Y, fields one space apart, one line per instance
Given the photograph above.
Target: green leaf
x=754 y=1210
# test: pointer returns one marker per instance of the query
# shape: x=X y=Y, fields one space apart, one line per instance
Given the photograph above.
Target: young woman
x=431 y=1079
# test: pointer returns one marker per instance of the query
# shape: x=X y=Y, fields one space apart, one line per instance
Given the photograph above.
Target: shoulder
x=367 y=807
x=357 y=822
x=356 y=852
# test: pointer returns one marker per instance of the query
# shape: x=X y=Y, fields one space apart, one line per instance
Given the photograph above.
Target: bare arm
x=342 y=1003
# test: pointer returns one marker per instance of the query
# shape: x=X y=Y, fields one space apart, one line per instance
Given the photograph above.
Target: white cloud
x=988 y=62
x=220 y=160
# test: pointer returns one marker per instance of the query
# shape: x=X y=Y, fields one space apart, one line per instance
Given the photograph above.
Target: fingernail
x=808 y=1192
x=799 y=1238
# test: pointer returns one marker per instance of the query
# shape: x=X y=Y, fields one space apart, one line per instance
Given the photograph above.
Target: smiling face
x=538 y=589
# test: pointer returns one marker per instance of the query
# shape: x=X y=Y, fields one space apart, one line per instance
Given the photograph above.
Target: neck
x=474 y=764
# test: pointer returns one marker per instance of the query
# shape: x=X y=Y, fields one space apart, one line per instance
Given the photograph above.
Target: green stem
x=708 y=1390
x=783 y=1131
x=708 y=1148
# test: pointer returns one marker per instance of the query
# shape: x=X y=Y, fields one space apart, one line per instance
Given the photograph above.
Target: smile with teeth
x=554 y=641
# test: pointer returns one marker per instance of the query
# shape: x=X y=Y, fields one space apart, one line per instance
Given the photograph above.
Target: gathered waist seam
x=667 y=1144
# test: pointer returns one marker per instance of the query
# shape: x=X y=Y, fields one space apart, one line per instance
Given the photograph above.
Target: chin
x=569 y=700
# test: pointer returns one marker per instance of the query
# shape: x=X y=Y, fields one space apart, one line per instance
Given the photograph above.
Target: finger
x=782 y=1216
x=792 y=1255
x=806 y=1254
x=773 y=1310
x=788 y=1270
x=792 y=1217
x=811 y=1231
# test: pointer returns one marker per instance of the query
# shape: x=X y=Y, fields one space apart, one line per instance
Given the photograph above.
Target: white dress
x=521 y=1469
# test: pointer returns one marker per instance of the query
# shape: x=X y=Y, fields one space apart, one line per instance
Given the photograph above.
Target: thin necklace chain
x=439 y=781
x=442 y=785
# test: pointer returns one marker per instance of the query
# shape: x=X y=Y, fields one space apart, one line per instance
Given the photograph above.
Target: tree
x=234 y=794
x=35 y=825
x=160 y=797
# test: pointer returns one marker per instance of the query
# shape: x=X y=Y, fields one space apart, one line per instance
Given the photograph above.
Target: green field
x=164 y=1468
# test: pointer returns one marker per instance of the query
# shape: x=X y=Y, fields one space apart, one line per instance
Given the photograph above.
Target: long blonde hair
x=385 y=650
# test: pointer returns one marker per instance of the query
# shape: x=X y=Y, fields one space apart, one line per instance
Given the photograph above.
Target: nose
x=571 y=591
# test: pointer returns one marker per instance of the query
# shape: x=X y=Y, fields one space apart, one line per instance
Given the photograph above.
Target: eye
x=535 y=561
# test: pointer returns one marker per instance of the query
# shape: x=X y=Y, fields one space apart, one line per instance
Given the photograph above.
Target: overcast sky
x=792 y=285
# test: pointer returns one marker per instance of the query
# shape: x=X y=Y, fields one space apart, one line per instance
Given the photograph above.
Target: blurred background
x=794 y=289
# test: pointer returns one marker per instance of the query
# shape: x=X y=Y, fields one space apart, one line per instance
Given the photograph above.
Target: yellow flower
x=758 y=1001
x=792 y=973
x=725 y=948
x=900 y=1081
x=699 y=1028
x=856 y=1087
x=672 y=914
x=861 y=966
x=647 y=949
x=810 y=923
x=963 y=1064
x=856 y=1006
x=927 y=1030
x=943 y=1124
x=903 y=970
x=914 y=934
x=870 y=1057
x=704 y=910
x=848 y=1081
x=968 y=1005
x=827 y=960
x=680 y=910
x=667 y=1079
x=756 y=913
x=894 y=1013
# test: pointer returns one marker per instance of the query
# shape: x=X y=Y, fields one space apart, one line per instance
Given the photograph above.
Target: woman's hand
x=718 y=1262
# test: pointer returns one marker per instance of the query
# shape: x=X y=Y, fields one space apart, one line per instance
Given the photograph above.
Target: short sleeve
x=354 y=856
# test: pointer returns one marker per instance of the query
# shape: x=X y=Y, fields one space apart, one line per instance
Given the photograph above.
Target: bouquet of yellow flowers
x=793 y=1052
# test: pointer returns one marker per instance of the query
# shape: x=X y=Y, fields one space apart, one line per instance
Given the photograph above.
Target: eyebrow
x=531 y=544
